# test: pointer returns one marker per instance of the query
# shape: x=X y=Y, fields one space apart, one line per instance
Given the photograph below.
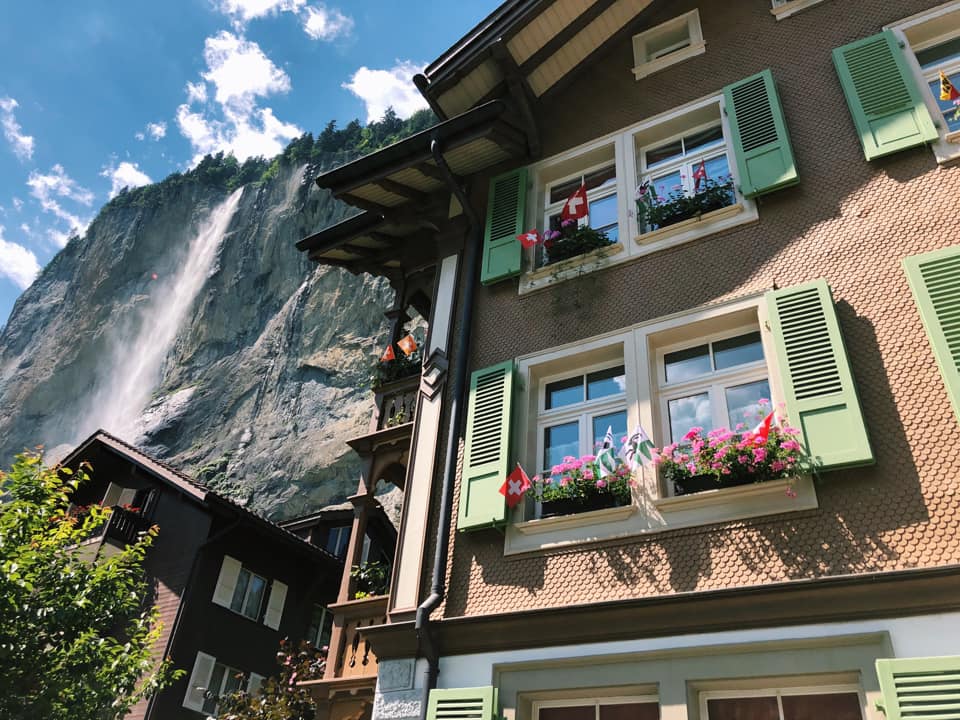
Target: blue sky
x=99 y=95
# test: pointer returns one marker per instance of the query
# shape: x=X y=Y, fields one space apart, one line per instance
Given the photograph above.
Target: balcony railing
x=355 y=658
x=124 y=525
x=397 y=402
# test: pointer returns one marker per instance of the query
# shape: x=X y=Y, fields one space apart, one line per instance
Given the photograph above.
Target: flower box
x=572 y=506
x=576 y=485
x=652 y=236
x=704 y=482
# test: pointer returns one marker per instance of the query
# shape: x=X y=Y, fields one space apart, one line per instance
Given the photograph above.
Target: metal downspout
x=437 y=588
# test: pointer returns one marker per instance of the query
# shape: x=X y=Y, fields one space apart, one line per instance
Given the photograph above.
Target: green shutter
x=820 y=393
x=885 y=102
x=760 y=140
x=935 y=281
x=478 y=703
x=927 y=688
x=485 y=455
x=506 y=207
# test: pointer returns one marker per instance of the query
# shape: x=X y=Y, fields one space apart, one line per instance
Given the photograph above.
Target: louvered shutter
x=227 y=581
x=885 y=102
x=506 y=207
x=821 y=397
x=935 y=281
x=274 y=613
x=486 y=451
x=463 y=704
x=199 y=680
x=927 y=688
x=760 y=140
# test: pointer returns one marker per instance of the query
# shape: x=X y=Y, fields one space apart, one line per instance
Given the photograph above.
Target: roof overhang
x=540 y=43
x=404 y=195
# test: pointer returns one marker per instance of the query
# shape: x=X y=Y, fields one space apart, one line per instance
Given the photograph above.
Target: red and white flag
x=763 y=429
x=388 y=354
x=699 y=174
x=576 y=205
x=529 y=239
x=407 y=344
x=515 y=486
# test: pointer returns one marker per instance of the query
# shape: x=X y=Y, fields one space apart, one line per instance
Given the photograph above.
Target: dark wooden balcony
x=354 y=657
x=396 y=402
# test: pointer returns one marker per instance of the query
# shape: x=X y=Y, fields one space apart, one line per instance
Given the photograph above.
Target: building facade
x=775 y=183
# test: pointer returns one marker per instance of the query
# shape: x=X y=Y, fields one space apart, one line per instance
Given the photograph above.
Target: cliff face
x=263 y=375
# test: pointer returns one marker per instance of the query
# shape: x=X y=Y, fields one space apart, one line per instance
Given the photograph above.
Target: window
x=943 y=57
x=840 y=703
x=637 y=708
x=211 y=680
x=248 y=594
x=666 y=44
x=337 y=540
x=692 y=164
x=224 y=681
x=576 y=411
x=785 y=8
x=321 y=627
x=601 y=185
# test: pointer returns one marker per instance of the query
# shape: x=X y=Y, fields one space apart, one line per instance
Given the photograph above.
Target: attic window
x=668 y=43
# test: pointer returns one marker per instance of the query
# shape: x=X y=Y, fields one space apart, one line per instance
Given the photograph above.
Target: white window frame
x=594 y=194
x=625 y=144
x=785 y=8
x=338 y=532
x=655 y=509
x=780 y=692
x=246 y=594
x=714 y=383
x=644 y=64
x=537 y=705
x=947 y=148
x=228 y=673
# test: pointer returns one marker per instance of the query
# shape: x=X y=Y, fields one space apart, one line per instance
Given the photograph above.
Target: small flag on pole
x=529 y=239
x=407 y=344
x=388 y=354
x=605 y=456
x=763 y=429
x=638 y=449
x=699 y=175
x=515 y=486
x=576 y=205
x=947 y=90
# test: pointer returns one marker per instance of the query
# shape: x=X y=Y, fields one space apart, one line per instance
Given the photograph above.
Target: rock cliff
x=263 y=376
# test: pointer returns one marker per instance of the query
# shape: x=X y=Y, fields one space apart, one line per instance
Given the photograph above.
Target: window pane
x=559 y=193
x=630 y=711
x=761 y=708
x=937 y=54
x=836 y=706
x=743 y=403
x=604 y=383
x=666 y=187
x=565 y=392
x=600 y=178
x=255 y=597
x=668 y=41
x=240 y=591
x=581 y=712
x=688 y=412
x=737 y=351
x=234 y=681
x=685 y=364
x=951 y=112
x=670 y=151
x=617 y=422
x=559 y=441
x=718 y=170
x=214 y=688
x=703 y=138
x=603 y=216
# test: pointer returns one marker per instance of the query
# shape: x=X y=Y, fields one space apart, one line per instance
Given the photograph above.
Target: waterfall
x=140 y=348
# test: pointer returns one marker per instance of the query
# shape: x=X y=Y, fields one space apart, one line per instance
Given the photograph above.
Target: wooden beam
x=431 y=171
x=404 y=191
x=364 y=204
x=520 y=92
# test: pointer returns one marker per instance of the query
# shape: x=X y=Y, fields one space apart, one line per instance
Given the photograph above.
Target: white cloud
x=59 y=238
x=239 y=74
x=22 y=145
x=380 y=89
x=126 y=174
x=246 y=10
x=156 y=131
x=140 y=136
x=55 y=185
x=240 y=71
x=323 y=23
x=18 y=204
x=17 y=263
x=25 y=228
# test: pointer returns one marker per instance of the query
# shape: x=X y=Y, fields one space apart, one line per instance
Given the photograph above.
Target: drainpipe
x=437 y=588
x=187 y=593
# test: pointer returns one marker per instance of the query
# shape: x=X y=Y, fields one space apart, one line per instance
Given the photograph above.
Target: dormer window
x=668 y=43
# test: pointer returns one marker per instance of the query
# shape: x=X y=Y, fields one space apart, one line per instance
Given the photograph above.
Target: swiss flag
x=529 y=238
x=516 y=484
x=699 y=175
x=388 y=354
x=576 y=205
x=407 y=344
x=763 y=429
